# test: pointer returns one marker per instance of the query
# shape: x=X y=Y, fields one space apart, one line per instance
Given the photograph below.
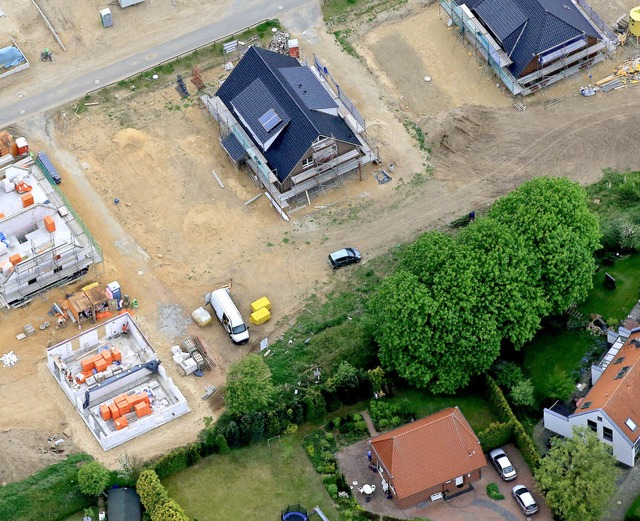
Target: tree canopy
x=249 y=387
x=93 y=478
x=578 y=475
x=561 y=234
x=443 y=316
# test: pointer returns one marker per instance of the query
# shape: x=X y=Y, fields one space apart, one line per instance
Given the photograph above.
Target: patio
x=469 y=506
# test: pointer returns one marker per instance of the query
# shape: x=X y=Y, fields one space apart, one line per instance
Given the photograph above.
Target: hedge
x=519 y=434
x=156 y=500
x=497 y=399
x=496 y=435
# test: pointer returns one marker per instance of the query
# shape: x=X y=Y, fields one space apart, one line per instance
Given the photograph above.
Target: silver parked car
x=525 y=500
x=503 y=465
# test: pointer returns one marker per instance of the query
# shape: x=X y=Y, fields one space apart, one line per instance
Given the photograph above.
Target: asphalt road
x=241 y=14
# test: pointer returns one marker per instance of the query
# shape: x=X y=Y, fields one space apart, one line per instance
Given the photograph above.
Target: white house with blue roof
x=285 y=123
x=530 y=44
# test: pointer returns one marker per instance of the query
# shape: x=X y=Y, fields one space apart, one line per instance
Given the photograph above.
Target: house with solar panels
x=285 y=123
x=530 y=44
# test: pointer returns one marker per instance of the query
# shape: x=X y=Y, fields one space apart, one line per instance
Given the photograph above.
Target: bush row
x=496 y=435
x=518 y=433
x=387 y=415
x=156 y=500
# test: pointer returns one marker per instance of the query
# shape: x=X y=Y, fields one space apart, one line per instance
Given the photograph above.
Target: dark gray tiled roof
x=234 y=148
x=503 y=17
x=252 y=103
x=308 y=88
x=124 y=505
x=549 y=24
x=305 y=125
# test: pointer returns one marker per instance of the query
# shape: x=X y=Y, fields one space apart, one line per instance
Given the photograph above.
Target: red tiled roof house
x=611 y=407
x=437 y=456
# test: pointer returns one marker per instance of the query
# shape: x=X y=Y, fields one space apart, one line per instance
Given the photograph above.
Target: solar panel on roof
x=269 y=120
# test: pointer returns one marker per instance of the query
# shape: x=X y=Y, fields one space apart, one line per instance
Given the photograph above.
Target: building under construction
x=284 y=121
x=530 y=44
x=43 y=243
x=114 y=379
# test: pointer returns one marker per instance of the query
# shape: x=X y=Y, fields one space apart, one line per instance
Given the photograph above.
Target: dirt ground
x=176 y=234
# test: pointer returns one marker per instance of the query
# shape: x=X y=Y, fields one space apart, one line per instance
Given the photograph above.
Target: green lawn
x=552 y=355
x=475 y=408
x=616 y=303
x=254 y=482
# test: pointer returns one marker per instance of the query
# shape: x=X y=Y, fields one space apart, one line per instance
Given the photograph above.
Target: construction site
x=174 y=213
x=112 y=376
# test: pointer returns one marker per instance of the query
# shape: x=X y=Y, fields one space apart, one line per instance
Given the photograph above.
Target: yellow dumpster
x=260 y=303
x=260 y=316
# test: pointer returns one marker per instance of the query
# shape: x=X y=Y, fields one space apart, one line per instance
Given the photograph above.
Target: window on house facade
x=599 y=418
x=307 y=163
x=607 y=433
x=592 y=425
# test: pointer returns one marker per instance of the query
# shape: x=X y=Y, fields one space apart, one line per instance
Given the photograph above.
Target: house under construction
x=284 y=121
x=112 y=376
x=43 y=243
x=530 y=44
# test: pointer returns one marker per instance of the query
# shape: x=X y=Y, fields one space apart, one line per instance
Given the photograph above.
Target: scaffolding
x=53 y=263
x=495 y=61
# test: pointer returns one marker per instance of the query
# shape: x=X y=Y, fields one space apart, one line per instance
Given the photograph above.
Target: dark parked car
x=344 y=257
x=503 y=465
x=525 y=500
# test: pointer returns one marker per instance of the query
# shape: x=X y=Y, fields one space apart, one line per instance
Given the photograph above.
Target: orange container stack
x=15 y=259
x=142 y=409
x=49 y=224
x=115 y=412
x=121 y=423
x=27 y=199
x=105 y=412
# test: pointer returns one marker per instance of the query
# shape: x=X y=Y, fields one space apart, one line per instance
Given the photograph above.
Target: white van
x=228 y=315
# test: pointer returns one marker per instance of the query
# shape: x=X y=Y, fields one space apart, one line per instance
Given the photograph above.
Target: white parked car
x=503 y=465
x=525 y=500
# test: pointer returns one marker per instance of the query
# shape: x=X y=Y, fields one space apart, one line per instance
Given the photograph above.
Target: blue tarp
x=10 y=57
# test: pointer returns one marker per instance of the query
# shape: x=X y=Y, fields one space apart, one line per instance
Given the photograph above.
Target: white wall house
x=611 y=407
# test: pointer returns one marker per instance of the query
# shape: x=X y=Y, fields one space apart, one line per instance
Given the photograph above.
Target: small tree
x=578 y=476
x=169 y=510
x=249 y=387
x=93 y=478
x=131 y=467
x=151 y=492
x=522 y=393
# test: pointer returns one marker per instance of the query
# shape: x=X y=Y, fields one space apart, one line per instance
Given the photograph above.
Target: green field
x=254 y=482
x=615 y=303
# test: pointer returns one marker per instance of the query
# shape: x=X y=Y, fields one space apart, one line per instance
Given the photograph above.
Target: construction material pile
x=626 y=74
x=9 y=359
x=279 y=42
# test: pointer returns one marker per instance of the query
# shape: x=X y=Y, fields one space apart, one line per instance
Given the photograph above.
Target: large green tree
x=560 y=233
x=578 y=476
x=501 y=266
x=249 y=387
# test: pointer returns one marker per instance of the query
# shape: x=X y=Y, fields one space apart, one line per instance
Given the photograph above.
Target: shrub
x=493 y=492
x=93 y=478
x=169 y=510
x=507 y=374
x=387 y=414
x=172 y=462
x=221 y=445
x=522 y=393
x=633 y=514
x=333 y=490
x=495 y=435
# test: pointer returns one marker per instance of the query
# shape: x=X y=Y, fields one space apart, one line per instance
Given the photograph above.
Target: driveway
x=471 y=506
